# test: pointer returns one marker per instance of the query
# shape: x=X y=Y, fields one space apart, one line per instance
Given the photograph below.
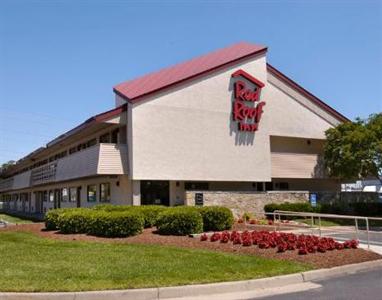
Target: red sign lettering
x=248 y=117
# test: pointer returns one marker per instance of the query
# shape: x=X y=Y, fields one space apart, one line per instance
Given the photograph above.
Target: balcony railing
x=107 y=159
x=44 y=174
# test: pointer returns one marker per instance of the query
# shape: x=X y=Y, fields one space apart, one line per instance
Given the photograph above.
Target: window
x=92 y=193
x=105 y=138
x=73 y=194
x=51 y=196
x=91 y=143
x=114 y=136
x=72 y=150
x=65 y=195
x=198 y=186
x=269 y=186
x=283 y=186
x=104 y=192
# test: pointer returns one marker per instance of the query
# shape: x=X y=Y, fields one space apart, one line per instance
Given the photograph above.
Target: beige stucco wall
x=187 y=133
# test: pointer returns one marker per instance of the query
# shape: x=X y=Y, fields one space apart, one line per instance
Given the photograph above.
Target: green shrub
x=51 y=218
x=150 y=213
x=300 y=207
x=181 y=220
x=115 y=224
x=74 y=220
x=216 y=218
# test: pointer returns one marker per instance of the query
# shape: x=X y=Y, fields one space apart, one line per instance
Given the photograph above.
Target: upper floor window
x=105 y=138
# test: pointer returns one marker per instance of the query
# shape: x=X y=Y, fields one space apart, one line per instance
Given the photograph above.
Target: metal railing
x=277 y=214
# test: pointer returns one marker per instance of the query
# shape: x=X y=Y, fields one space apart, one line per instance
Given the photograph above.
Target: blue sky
x=60 y=59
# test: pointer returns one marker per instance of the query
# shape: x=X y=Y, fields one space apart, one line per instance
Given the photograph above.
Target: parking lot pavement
x=365 y=286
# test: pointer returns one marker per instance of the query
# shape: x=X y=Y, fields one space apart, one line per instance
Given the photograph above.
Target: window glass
x=198 y=186
x=91 y=143
x=92 y=193
x=105 y=192
x=114 y=136
x=65 y=195
x=45 y=196
x=51 y=196
x=73 y=194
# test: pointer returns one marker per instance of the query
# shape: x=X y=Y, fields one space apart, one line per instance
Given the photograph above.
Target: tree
x=353 y=150
x=6 y=165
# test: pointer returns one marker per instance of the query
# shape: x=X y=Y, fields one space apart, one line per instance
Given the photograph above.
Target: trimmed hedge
x=300 y=207
x=181 y=220
x=150 y=212
x=74 y=220
x=115 y=224
x=216 y=218
x=51 y=218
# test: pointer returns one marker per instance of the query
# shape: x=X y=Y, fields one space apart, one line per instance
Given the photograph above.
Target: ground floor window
x=155 y=192
x=196 y=185
x=105 y=194
x=92 y=193
x=73 y=194
x=51 y=196
x=65 y=195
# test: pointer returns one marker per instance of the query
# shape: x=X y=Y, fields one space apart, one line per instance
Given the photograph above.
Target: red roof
x=135 y=89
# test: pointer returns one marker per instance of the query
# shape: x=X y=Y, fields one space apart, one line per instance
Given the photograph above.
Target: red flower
x=204 y=237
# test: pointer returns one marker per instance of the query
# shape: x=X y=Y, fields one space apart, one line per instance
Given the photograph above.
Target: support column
x=136 y=191
x=177 y=193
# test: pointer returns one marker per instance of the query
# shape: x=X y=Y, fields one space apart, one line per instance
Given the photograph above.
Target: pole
x=368 y=236
x=319 y=224
x=356 y=228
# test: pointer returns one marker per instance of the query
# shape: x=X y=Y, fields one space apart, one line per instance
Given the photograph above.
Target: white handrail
x=279 y=213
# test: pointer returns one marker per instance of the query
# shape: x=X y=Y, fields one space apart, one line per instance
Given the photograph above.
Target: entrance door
x=57 y=198
x=155 y=192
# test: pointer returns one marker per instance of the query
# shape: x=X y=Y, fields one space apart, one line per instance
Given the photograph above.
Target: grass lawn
x=324 y=222
x=31 y=263
x=13 y=219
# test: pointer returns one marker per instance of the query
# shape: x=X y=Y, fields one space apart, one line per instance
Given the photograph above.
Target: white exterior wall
x=187 y=133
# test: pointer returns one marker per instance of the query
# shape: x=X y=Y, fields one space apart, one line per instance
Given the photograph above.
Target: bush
x=115 y=224
x=51 y=218
x=181 y=220
x=74 y=220
x=216 y=218
x=300 y=207
x=150 y=213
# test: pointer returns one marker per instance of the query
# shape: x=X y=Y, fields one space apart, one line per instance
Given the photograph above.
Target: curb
x=200 y=289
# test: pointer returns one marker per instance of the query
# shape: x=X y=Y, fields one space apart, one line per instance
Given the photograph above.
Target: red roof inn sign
x=247 y=107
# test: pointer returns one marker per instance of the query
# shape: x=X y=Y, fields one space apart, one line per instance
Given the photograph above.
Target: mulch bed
x=317 y=260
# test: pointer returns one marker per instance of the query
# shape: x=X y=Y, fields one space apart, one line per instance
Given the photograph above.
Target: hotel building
x=224 y=128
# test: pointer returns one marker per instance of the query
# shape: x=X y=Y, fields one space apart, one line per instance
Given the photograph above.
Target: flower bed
x=280 y=241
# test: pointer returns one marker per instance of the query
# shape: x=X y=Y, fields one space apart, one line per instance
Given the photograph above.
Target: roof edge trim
x=306 y=93
x=201 y=74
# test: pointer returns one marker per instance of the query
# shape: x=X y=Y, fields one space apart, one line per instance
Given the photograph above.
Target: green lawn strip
x=324 y=222
x=14 y=219
x=30 y=263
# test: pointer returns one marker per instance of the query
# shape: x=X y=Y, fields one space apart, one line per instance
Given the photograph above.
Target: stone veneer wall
x=240 y=202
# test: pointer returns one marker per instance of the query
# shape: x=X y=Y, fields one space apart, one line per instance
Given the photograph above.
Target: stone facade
x=241 y=202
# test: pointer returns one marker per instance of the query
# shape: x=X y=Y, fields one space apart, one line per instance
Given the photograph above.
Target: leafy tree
x=6 y=165
x=353 y=150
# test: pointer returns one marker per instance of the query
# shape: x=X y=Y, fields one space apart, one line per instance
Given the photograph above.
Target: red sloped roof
x=153 y=82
